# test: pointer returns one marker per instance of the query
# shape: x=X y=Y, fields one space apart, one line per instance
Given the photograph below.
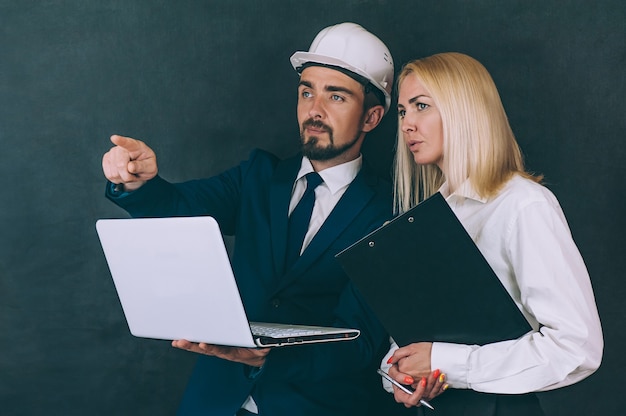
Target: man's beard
x=313 y=151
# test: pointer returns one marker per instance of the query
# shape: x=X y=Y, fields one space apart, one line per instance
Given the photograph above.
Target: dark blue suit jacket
x=251 y=201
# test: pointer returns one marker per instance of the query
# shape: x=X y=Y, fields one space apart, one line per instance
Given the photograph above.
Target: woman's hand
x=411 y=365
x=414 y=359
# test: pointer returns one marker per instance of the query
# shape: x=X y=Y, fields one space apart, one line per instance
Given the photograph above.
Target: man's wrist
x=118 y=189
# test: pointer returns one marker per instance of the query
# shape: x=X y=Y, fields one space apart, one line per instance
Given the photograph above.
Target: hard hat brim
x=301 y=58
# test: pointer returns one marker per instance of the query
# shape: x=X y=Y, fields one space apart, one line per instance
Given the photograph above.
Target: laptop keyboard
x=281 y=331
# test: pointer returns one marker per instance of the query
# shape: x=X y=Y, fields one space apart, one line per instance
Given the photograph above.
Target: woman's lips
x=414 y=144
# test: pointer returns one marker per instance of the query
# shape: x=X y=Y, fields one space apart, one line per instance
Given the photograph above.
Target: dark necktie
x=300 y=219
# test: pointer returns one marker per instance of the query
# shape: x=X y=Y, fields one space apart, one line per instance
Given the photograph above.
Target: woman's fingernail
x=436 y=373
x=423 y=382
x=442 y=377
x=390 y=360
x=408 y=380
x=445 y=387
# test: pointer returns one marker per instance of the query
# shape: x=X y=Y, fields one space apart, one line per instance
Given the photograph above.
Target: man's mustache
x=316 y=124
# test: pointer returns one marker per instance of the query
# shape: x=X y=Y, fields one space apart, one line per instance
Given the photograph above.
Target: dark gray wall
x=205 y=81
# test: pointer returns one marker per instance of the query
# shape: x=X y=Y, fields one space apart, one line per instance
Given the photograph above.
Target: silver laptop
x=174 y=280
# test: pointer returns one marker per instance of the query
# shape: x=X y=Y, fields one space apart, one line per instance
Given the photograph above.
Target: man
x=344 y=91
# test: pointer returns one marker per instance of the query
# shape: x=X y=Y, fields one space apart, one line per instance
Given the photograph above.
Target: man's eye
x=306 y=94
x=336 y=97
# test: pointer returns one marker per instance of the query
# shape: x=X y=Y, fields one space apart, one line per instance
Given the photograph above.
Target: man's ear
x=372 y=118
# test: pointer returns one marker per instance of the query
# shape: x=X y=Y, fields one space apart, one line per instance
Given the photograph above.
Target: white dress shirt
x=327 y=194
x=523 y=234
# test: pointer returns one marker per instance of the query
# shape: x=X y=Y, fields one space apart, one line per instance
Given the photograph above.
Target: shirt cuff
x=453 y=360
x=116 y=190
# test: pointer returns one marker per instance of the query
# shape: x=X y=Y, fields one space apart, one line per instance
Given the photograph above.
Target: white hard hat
x=349 y=46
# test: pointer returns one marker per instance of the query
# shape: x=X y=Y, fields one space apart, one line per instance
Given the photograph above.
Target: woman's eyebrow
x=414 y=99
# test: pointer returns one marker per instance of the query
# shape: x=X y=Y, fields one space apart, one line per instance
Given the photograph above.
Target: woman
x=454 y=137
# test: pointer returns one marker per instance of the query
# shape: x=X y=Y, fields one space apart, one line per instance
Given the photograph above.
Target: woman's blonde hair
x=478 y=143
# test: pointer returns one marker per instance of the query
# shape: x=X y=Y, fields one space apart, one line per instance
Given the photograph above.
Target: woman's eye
x=422 y=106
x=401 y=113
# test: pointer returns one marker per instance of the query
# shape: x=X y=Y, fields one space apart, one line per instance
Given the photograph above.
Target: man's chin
x=314 y=139
x=312 y=144
x=319 y=153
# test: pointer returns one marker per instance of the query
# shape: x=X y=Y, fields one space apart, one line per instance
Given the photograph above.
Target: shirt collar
x=336 y=177
x=465 y=191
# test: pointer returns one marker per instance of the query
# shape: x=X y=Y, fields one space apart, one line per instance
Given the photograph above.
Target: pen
x=403 y=387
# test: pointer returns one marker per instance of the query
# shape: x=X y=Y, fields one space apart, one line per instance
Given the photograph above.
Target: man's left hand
x=254 y=357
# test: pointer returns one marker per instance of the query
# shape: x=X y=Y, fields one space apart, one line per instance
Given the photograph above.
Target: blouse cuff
x=385 y=366
x=453 y=361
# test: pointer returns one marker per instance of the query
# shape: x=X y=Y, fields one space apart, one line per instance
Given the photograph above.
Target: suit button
x=276 y=302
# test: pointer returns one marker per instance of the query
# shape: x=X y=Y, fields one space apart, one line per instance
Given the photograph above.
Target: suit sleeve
x=218 y=196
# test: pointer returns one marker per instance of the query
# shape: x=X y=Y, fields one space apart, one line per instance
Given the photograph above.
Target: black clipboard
x=426 y=280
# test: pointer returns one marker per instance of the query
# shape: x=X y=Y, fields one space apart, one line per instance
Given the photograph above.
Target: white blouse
x=523 y=234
